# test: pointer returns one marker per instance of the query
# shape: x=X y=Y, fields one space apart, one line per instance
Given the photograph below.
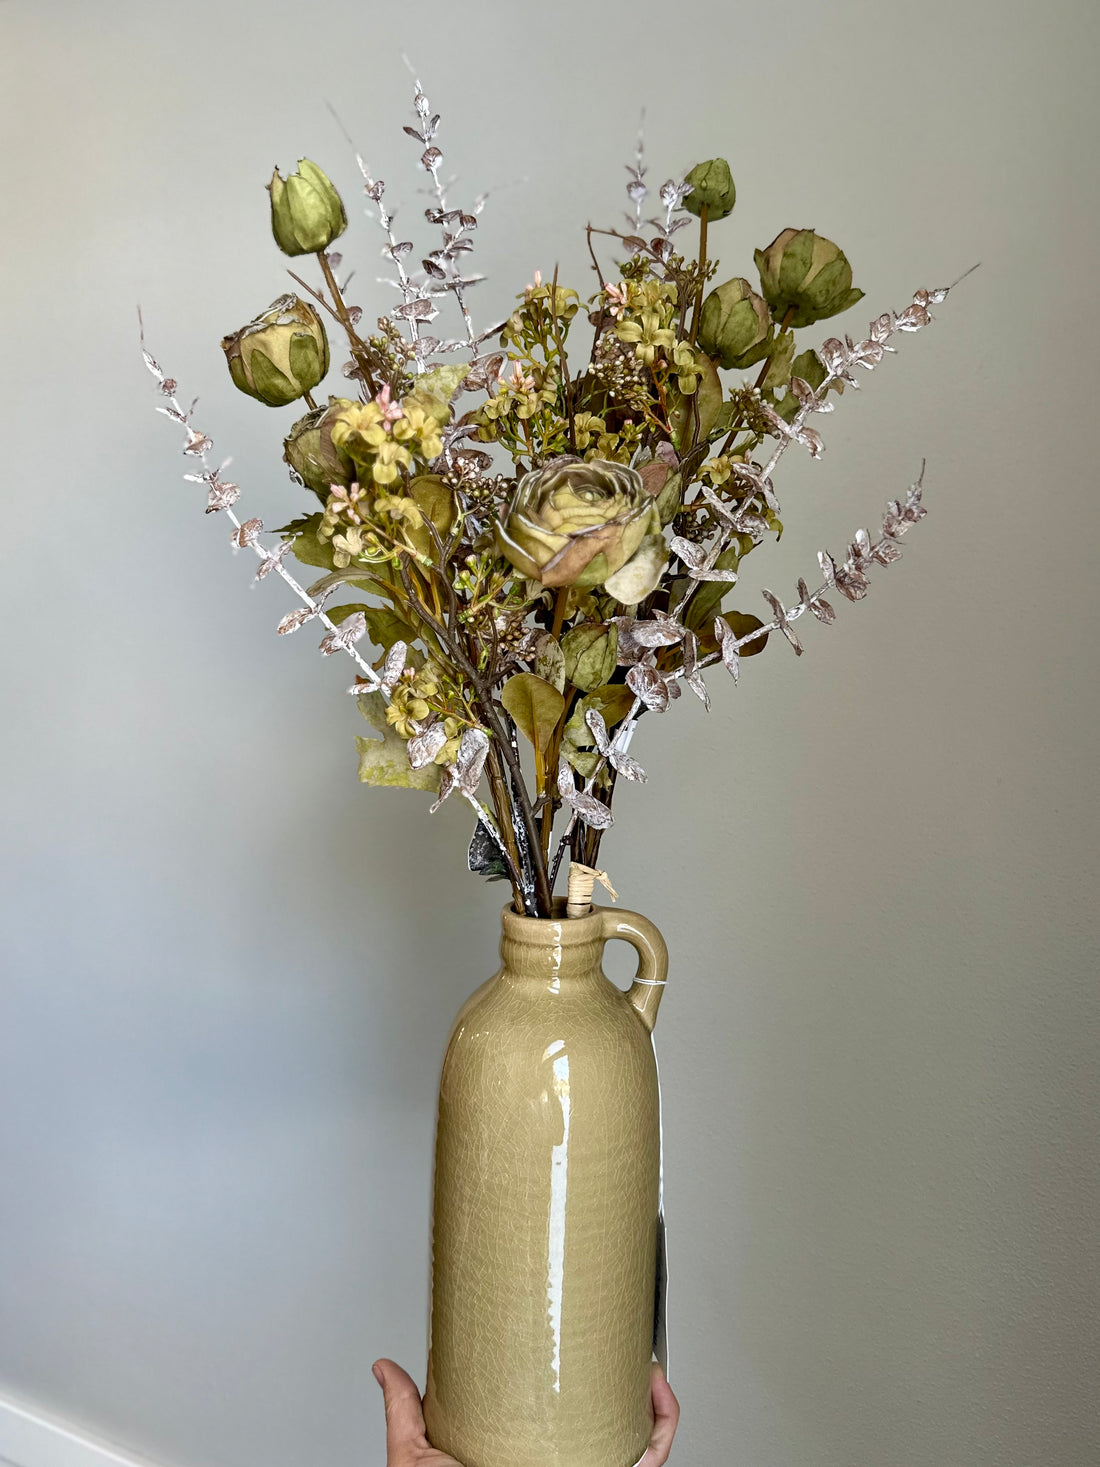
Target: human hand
x=407 y=1441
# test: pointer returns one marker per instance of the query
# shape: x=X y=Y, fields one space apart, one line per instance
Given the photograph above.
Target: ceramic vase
x=546 y=1198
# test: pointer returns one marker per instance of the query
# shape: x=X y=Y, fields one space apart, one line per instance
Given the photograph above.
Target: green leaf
x=441 y=383
x=434 y=500
x=708 y=399
x=550 y=662
x=308 y=549
x=741 y=623
x=535 y=706
x=779 y=368
x=384 y=762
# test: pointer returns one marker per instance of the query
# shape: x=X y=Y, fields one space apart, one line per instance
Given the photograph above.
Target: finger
x=666 y=1415
x=404 y=1413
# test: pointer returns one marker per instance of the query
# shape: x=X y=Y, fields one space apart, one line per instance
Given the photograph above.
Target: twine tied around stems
x=582 y=881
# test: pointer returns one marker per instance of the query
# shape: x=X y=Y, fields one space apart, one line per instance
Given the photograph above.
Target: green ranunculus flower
x=574 y=523
x=735 y=325
x=804 y=270
x=309 y=451
x=280 y=355
x=711 y=184
x=307 y=213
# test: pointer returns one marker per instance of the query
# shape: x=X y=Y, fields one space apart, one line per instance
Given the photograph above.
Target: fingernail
x=377 y=1373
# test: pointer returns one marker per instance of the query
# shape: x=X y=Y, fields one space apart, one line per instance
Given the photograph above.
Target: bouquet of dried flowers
x=539 y=548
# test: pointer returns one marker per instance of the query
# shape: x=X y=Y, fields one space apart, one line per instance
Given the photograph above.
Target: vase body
x=546 y=1197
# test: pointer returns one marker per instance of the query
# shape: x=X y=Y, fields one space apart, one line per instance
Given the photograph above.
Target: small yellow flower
x=389 y=460
x=586 y=427
x=716 y=470
x=648 y=335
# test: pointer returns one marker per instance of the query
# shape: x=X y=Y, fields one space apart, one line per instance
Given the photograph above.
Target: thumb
x=404 y=1414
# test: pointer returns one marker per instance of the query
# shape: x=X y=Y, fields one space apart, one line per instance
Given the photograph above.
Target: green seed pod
x=807 y=272
x=711 y=184
x=308 y=450
x=280 y=355
x=734 y=325
x=591 y=654
x=307 y=213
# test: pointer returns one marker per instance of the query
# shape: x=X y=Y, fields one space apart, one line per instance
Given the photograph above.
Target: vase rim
x=558 y=930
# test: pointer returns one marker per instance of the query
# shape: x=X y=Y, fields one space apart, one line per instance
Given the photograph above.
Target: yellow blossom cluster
x=384 y=438
x=415 y=701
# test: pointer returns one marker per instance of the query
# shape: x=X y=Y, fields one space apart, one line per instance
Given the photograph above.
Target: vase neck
x=549 y=950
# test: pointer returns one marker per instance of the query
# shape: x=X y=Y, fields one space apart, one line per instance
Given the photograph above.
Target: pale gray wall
x=229 y=970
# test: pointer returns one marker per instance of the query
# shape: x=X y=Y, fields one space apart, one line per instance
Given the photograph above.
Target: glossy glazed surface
x=545 y=1210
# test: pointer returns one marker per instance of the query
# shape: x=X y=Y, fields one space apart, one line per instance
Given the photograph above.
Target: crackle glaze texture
x=546 y=1198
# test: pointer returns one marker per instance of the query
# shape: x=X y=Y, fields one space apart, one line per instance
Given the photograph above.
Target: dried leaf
x=294 y=619
x=345 y=636
x=485 y=857
x=647 y=683
x=246 y=534
x=394 y=664
x=423 y=747
x=781 y=617
x=588 y=809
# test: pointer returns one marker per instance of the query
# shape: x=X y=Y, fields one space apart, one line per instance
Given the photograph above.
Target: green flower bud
x=803 y=270
x=711 y=184
x=309 y=451
x=281 y=354
x=734 y=325
x=307 y=213
x=574 y=523
x=591 y=654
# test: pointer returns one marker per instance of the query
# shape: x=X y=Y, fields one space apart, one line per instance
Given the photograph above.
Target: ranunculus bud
x=307 y=213
x=591 y=655
x=574 y=523
x=711 y=184
x=804 y=270
x=734 y=325
x=280 y=355
x=309 y=451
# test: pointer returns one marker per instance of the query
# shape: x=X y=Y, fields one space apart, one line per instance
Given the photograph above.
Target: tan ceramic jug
x=547 y=1180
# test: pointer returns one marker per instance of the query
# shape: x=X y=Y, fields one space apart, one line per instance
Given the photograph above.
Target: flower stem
x=704 y=210
x=357 y=349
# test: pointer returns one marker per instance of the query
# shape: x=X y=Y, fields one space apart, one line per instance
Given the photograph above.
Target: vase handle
x=646 y=990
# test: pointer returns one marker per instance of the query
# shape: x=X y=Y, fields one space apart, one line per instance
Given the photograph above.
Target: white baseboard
x=28 y=1438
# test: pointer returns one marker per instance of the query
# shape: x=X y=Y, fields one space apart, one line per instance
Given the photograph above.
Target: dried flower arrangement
x=547 y=545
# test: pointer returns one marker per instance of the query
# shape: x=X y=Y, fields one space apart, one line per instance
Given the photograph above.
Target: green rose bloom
x=735 y=324
x=309 y=451
x=574 y=523
x=711 y=184
x=280 y=355
x=804 y=270
x=307 y=213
